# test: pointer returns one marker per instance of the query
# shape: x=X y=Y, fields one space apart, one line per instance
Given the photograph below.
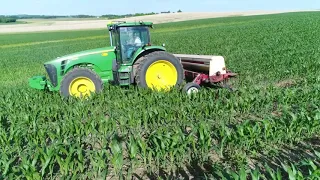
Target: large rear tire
x=158 y=71
x=80 y=82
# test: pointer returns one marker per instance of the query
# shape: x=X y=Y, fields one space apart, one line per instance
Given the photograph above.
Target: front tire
x=158 y=70
x=80 y=82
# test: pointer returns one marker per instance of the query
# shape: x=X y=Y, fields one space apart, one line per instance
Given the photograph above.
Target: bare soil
x=286 y=83
x=38 y=25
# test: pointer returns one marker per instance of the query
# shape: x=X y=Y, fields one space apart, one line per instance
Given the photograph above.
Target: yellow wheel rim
x=161 y=75
x=81 y=87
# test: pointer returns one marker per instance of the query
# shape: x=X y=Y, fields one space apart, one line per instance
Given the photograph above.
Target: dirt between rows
x=40 y=25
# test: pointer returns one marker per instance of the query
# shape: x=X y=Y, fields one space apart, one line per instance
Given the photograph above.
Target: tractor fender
x=86 y=65
x=146 y=50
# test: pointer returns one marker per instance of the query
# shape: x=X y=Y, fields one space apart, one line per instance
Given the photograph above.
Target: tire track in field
x=106 y=36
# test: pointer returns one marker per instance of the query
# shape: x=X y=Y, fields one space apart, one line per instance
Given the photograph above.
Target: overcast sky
x=100 y=7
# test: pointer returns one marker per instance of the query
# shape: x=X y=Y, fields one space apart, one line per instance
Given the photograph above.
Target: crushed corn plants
x=267 y=129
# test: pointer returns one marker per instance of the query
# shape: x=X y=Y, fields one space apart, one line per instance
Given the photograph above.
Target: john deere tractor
x=131 y=59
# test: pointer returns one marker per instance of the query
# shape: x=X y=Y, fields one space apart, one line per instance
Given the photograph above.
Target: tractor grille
x=52 y=73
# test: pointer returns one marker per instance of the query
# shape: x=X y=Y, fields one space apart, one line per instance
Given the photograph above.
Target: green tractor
x=131 y=59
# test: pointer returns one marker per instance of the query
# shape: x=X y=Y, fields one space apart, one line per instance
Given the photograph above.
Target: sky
x=100 y=7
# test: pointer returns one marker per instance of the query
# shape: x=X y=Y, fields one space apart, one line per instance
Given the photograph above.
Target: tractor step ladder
x=124 y=78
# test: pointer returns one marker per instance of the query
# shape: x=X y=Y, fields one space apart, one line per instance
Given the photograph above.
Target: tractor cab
x=128 y=38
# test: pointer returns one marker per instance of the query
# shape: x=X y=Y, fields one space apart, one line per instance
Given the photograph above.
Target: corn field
x=267 y=129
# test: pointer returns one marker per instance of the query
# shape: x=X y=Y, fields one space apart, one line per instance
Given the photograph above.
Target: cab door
x=117 y=45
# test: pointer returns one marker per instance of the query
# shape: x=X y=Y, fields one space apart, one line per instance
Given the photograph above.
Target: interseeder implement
x=131 y=59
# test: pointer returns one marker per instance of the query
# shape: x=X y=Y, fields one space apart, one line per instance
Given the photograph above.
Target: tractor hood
x=100 y=59
x=78 y=55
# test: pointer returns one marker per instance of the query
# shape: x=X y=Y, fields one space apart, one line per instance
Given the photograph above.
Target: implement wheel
x=158 y=70
x=191 y=88
x=80 y=82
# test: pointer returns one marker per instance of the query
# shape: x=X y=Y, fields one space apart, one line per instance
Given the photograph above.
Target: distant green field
x=273 y=119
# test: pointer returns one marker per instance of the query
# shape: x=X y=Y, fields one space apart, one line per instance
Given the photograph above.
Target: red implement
x=203 y=69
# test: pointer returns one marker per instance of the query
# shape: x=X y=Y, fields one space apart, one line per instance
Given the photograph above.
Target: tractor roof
x=128 y=24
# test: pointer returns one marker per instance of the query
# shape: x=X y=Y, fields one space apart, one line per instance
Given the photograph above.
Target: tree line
x=114 y=16
x=7 y=19
x=14 y=18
